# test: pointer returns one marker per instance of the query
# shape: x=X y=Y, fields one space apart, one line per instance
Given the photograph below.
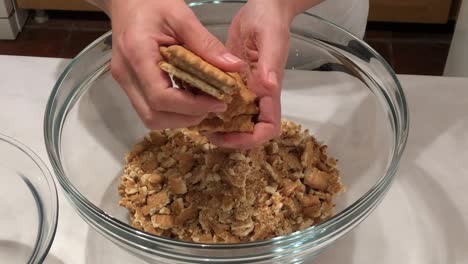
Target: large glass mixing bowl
x=28 y=203
x=335 y=85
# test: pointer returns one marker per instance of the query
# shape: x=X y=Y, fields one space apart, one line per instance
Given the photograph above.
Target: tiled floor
x=63 y=35
x=409 y=49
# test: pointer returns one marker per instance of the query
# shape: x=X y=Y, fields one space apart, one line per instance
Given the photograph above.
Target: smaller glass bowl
x=28 y=203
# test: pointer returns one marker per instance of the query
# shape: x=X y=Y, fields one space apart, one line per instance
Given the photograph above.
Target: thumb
x=200 y=41
x=273 y=54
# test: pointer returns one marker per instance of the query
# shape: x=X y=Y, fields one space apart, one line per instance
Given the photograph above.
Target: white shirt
x=348 y=14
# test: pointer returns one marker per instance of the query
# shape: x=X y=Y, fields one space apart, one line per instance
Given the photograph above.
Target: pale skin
x=257 y=44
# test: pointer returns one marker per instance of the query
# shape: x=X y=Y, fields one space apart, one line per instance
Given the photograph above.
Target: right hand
x=259 y=33
x=139 y=27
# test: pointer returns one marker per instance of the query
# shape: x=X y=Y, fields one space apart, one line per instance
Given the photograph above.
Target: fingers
x=270 y=110
x=155 y=84
x=157 y=119
x=135 y=58
x=269 y=60
x=163 y=120
x=183 y=102
x=269 y=126
x=200 y=41
x=234 y=39
x=152 y=119
x=273 y=51
x=157 y=90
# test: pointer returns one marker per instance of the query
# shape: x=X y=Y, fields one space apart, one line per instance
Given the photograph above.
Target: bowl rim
x=369 y=198
x=44 y=240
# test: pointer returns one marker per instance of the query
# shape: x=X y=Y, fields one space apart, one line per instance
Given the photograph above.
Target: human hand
x=139 y=27
x=259 y=34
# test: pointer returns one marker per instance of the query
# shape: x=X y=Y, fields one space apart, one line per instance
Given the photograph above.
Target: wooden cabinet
x=410 y=11
x=75 y=5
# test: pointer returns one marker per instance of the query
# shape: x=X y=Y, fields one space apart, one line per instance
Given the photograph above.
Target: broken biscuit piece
x=243 y=102
x=187 y=61
x=187 y=78
x=192 y=73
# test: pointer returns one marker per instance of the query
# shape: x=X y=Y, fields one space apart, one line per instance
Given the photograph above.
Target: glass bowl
x=335 y=85
x=28 y=202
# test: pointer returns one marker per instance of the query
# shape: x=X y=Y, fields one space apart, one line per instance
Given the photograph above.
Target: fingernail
x=231 y=58
x=272 y=79
x=219 y=108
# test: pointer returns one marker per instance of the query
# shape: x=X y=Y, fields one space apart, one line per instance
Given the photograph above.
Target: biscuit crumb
x=201 y=193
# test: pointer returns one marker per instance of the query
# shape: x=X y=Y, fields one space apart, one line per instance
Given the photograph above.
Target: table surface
x=423 y=219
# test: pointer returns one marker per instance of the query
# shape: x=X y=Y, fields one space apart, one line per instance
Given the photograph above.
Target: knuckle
x=182 y=20
x=116 y=70
x=186 y=13
x=273 y=90
x=128 y=44
x=150 y=120
x=210 y=42
x=156 y=102
x=175 y=14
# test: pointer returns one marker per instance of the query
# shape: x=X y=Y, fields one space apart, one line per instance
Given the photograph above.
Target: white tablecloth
x=423 y=219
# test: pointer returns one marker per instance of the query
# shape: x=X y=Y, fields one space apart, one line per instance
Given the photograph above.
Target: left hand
x=259 y=34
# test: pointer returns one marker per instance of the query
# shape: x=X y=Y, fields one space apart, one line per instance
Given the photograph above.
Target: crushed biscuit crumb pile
x=176 y=184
